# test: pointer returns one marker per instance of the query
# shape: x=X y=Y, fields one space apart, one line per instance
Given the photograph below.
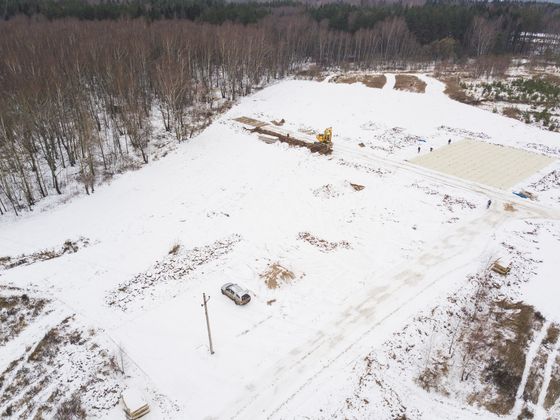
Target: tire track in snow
x=530 y=356
x=364 y=317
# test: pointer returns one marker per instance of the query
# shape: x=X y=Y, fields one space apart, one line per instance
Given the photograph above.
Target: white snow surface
x=236 y=205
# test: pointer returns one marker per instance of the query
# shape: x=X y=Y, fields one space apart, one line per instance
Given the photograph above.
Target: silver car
x=236 y=293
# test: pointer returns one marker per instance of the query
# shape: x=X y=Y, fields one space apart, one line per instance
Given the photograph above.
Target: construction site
x=390 y=257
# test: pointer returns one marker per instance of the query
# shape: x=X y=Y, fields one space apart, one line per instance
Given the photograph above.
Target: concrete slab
x=486 y=163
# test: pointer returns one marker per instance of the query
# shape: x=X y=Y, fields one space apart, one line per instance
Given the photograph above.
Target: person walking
x=488 y=204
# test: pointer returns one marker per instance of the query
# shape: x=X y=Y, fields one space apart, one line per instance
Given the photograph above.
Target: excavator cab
x=326 y=136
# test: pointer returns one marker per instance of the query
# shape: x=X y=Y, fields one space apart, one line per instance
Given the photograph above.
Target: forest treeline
x=81 y=100
x=429 y=22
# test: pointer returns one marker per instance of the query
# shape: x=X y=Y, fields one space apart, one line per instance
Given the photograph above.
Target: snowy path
x=433 y=86
x=530 y=356
x=390 y=84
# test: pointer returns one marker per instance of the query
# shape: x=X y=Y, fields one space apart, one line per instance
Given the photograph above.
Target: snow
x=413 y=235
x=133 y=399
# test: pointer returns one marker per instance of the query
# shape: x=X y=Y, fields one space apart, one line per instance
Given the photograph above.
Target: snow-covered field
x=365 y=264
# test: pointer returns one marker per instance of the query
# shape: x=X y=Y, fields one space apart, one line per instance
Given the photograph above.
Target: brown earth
x=409 y=83
x=454 y=90
x=376 y=81
x=275 y=275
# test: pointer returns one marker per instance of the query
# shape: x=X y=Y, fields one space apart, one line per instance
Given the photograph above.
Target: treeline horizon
x=81 y=100
x=444 y=26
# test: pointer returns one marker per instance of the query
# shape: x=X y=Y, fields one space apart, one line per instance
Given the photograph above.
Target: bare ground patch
x=553 y=391
x=321 y=244
x=409 y=83
x=68 y=247
x=275 y=275
x=175 y=267
x=16 y=313
x=513 y=112
x=455 y=91
x=376 y=81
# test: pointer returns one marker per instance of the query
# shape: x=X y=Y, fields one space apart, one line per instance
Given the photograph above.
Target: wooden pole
x=204 y=300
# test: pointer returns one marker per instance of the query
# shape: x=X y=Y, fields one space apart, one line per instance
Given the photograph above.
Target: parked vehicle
x=236 y=293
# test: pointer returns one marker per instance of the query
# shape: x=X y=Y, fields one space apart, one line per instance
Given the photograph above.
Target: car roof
x=237 y=289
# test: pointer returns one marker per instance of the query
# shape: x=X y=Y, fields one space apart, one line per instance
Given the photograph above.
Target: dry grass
x=409 y=83
x=174 y=249
x=509 y=207
x=553 y=392
x=513 y=112
x=312 y=73
x=47 y=347
x=357 y=187
x=276 y=275
x=376 y=81
x=536 y=378
x=454 y=90
x=16 y=312
x=552 y=334
x=514 y=329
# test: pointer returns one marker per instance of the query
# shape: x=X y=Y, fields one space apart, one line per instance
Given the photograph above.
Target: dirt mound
x=316 y=147
x=276 y=275
x=68 y=247
x=323 y=245
x=409 y=83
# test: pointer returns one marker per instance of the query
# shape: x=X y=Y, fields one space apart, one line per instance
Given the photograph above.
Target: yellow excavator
x=325 y=137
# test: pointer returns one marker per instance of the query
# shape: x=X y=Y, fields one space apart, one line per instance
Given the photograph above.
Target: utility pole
x=204 y=300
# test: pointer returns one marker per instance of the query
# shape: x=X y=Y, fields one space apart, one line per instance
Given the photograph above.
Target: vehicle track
x=363 y=317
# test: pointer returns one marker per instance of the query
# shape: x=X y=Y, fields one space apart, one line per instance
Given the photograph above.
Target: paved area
x=490 y=164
